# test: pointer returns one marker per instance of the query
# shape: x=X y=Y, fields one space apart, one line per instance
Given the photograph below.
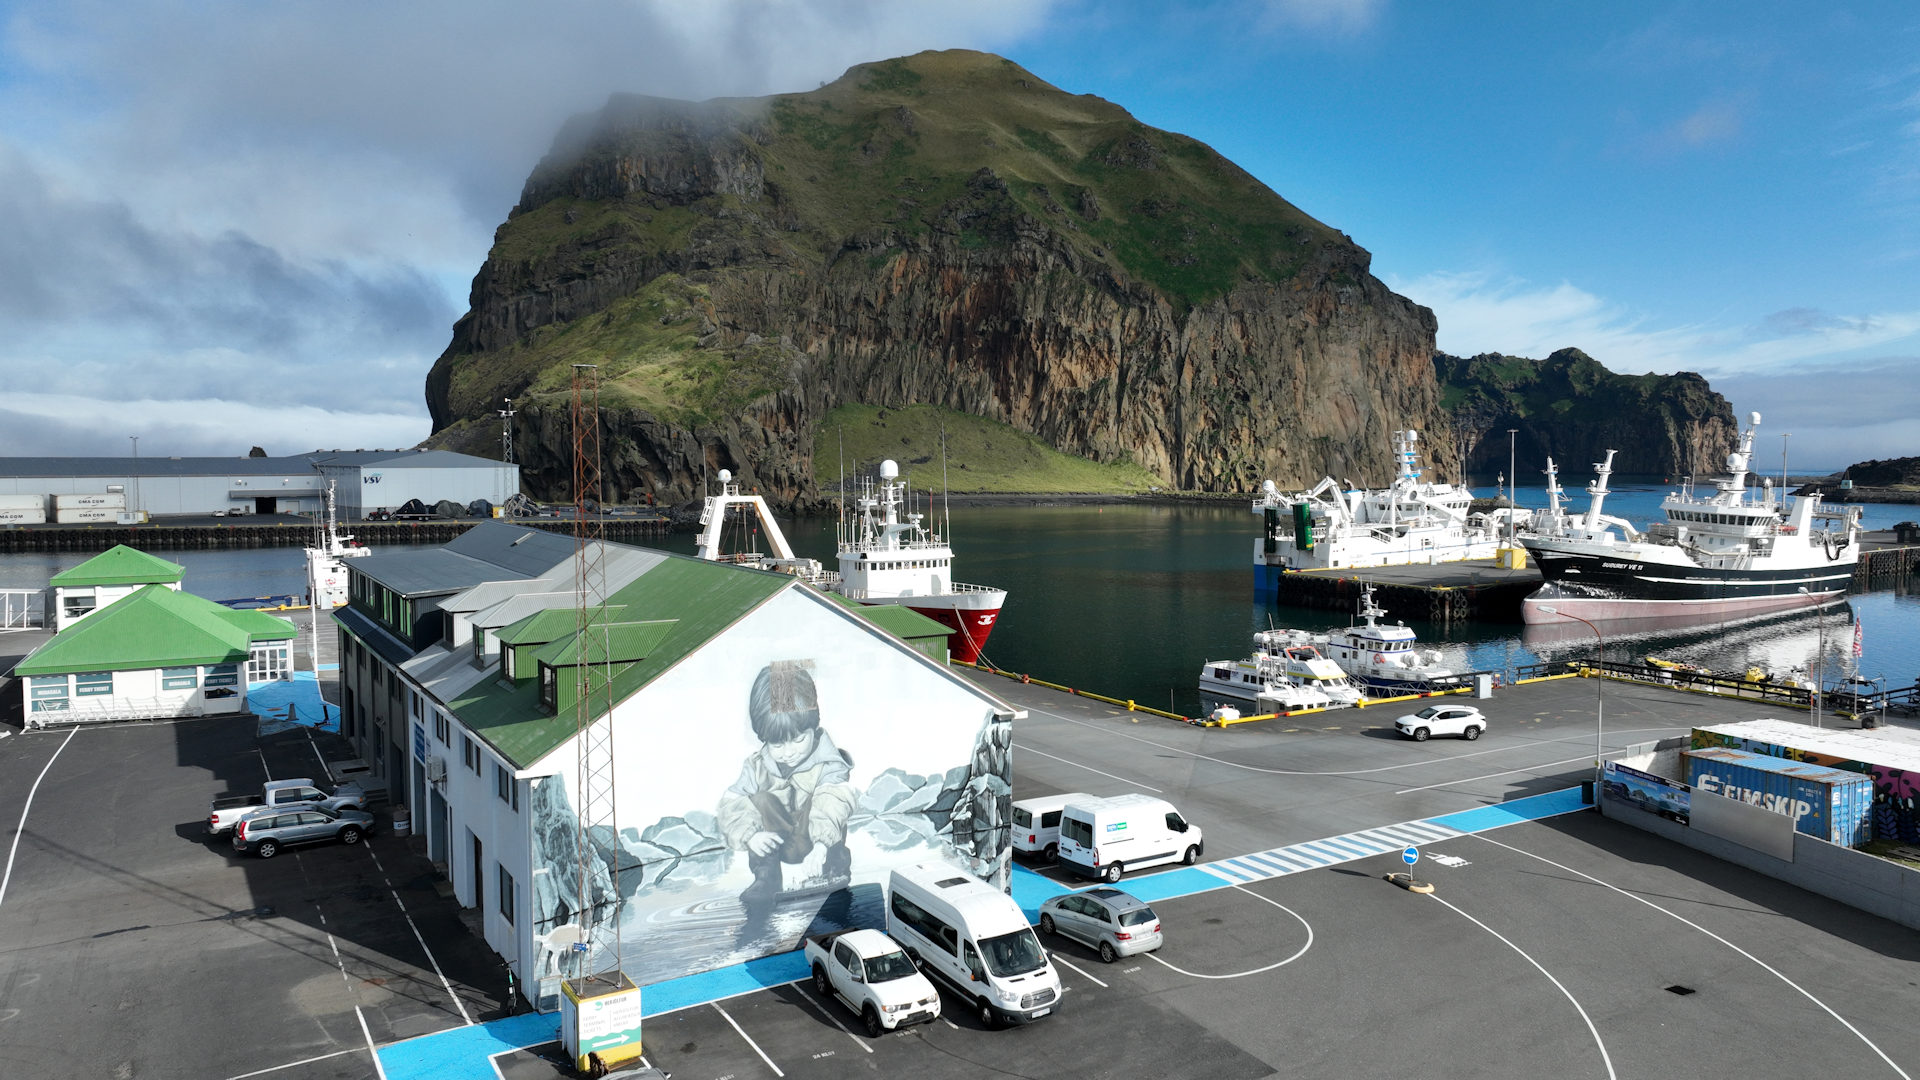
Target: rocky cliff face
x=945 y=229
x=1573 y=409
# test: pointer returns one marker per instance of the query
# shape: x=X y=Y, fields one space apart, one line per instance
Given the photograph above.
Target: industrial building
x=86 y=490
x=745 y=708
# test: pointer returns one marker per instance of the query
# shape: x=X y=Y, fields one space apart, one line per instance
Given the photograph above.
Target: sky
x=226 y=225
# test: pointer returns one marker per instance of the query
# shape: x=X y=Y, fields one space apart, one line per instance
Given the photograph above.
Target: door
x=310 y=825
x=264 y=505
x=396 y=774
x=479 y=879
x=438 y=824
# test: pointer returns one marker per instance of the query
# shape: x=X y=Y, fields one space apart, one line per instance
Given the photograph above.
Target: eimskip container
x=1832 y=804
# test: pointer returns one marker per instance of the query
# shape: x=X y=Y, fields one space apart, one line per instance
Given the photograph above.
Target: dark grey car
x=265 y=832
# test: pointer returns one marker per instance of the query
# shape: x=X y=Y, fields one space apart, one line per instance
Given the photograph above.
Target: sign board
x=606 y=1024
x=419 y=744
x=1410 y=856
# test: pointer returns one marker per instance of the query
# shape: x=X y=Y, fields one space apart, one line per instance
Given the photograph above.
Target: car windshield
x=1013 y=954
x=893 y=965
x=1137 y=917
x=1429 y=712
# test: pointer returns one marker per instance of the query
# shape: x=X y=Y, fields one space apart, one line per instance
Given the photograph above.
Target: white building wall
x=136 y=695
x=102 y=596
x=363 y=488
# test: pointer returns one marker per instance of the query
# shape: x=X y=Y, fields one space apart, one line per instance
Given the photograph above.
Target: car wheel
x=875 y=1028
x=1473 y=733
x=820 y=982
x=1420 y=734
x=1114 y=870
x=350 y=834
x=1192 y=856
x=267 y=849
x=983 y=1012
x=1046 y=925
x=1052 y=853
x=1107 y=953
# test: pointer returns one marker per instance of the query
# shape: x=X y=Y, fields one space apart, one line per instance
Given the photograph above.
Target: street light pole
x=1599 y=703
x=136 y=472
x=1512 y=485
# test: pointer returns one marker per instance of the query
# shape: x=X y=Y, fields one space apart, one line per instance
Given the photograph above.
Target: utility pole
x=1512 y=490
x=506 y=432
x=136 y=473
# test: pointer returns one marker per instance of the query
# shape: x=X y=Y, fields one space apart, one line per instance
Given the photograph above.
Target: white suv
x=1462 y=720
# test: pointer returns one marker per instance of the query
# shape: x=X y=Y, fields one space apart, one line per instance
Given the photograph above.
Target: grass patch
x=983 y=456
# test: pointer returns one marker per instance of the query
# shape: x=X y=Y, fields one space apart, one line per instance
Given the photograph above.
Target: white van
x=1104 y=838
x=975 y=939
x=1036 y=823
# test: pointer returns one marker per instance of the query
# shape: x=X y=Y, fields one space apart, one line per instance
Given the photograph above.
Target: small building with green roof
x=114 y=574
x=156 y=653
x=775 y=753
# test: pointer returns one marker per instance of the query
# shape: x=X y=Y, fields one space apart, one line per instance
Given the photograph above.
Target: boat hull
x=1618 y=586
x=969 y=618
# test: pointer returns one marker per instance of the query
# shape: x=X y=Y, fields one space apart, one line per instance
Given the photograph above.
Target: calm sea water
x=1129 y=600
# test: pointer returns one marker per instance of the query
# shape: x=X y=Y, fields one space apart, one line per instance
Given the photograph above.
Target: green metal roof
x=897 y=619
x=695 y=600
x=549 y=625
x=121 y=565
x=617 y=643
x=155 y=628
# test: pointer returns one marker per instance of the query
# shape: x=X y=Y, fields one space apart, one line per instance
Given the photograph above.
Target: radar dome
x=1756 y=419
x=1268 y=487
x=726 y=476
x=889 y=470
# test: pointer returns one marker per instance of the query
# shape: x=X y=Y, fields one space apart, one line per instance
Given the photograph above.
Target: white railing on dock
x=109 y=712
x=22 y=609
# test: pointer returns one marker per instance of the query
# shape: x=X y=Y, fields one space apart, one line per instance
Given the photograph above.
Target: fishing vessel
x=1409 y=521
x=326 y=561
x=1733 y=551
x=886 y=555
x=1386 y=659
x=1283 y=662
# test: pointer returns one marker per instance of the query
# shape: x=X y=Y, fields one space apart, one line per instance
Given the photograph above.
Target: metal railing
x=22 y=609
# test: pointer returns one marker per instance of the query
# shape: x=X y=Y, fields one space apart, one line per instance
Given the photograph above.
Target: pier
x=290 y=532
x=1442 y=592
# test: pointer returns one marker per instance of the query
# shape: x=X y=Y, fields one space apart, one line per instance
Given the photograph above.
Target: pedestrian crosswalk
x=1330 y=851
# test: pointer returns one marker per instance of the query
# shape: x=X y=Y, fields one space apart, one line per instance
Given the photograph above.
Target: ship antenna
x=840 y=526
x=946 y=506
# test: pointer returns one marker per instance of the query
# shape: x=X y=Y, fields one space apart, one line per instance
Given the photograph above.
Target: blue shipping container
x=1832 y=804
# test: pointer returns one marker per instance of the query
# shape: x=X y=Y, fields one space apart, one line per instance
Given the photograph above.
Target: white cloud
x=36 y=425
x=1323 y=16
x=279 y=207
x=1844 y=385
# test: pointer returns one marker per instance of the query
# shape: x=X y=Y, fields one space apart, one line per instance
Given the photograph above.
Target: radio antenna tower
x=506 y=432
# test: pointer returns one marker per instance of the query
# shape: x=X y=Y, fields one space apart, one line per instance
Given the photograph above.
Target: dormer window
x=479 y=647
x=549 y=685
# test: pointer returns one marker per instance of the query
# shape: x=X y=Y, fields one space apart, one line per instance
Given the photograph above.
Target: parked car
x=228 y=809
x=875 y=977
x=265 y=832
x=1104 y=838
x=1462 y=720
x=1111 y=922
x=1036 y=824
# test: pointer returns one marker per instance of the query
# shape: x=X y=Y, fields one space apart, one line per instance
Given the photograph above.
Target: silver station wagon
x=1110 y=922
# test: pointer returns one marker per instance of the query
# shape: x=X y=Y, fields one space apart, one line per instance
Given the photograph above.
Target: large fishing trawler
x=1732 y=552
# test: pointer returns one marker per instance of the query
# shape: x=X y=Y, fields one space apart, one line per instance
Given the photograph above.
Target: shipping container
x=108 y=500
x=1832 y=804
x=86 y=515
x=23 y=517
x=23 y=502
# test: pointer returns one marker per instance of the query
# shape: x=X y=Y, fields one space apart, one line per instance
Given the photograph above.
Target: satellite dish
x=889 y=469
x=726 y=476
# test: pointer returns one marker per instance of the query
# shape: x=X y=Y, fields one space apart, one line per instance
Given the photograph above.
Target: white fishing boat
x=1292 y=697
x=1735 y=551
x=1283 y=661
x=886 y=556
x=1329 y=527
x=326 y=561
x=1386 y=660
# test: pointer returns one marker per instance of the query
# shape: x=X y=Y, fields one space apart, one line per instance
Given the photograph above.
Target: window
x=414 y=701
x=78 y=602
x=470 y=755
x=179 y=678
x=221 y=675
x=93 y=683
x=1050 y=819
x=502 y=782
x=479 y=646
x=506 y=661
x=503 y=888
x=442 y=728
x=548 y=687
x=49 y=693
x=1078 y=831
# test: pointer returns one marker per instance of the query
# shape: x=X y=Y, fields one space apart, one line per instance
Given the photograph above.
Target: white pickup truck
x=874 y=976
x=298 y=794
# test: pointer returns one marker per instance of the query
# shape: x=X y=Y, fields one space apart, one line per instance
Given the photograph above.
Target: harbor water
x=1129 y=599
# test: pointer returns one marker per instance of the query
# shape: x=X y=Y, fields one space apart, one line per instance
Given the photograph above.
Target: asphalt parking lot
x=132 y=945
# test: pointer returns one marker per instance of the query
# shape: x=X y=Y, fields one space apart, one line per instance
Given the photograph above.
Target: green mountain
x=944 y=230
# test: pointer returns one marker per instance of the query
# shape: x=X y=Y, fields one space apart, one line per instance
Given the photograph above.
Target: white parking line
x=22 y=827
x=743 y=1034
x=444 y=984
x=1058 y=959
x=1597 y=1040
x=377 y=1067
x=294 y=1064
x=1155 y=956
x=1495 y=776
x=1077 y=765
x=826 y=1010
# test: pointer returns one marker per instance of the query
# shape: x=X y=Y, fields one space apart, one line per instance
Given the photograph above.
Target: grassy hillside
x=982 y=456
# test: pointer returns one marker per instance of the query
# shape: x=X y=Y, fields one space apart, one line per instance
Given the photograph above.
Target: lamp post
x=1512 y=485
x=1599 y=704
x=136 y=472
x=1820 y=680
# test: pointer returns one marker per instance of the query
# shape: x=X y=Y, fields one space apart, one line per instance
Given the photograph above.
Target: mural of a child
x=793 y=793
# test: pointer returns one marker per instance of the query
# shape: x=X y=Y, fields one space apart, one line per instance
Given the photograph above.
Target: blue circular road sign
x=1410 y=856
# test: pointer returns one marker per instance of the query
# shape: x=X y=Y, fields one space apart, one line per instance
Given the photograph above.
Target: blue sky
x=224 y=224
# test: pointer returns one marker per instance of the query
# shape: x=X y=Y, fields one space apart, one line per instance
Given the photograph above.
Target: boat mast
x=1598 y=490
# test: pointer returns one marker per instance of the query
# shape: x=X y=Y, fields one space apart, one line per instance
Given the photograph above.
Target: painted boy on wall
x=793 y=793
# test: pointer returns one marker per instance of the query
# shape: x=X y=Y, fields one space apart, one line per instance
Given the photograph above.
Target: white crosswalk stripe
x=1327 y=851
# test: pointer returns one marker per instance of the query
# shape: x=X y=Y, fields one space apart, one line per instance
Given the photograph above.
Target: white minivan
x=1036 y=823
x=1104 y=838
x=975 y=939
